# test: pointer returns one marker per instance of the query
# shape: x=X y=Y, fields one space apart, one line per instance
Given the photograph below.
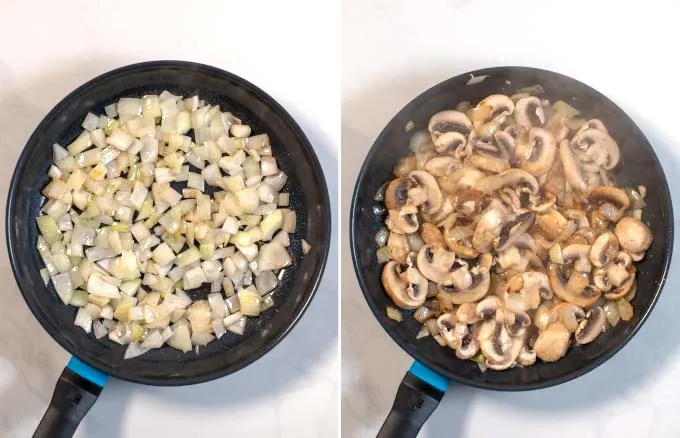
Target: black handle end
x=73 y=397
x=414 y=403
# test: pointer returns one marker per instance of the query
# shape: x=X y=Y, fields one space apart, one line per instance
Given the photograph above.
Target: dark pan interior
x=308 y=194
x=640 y=166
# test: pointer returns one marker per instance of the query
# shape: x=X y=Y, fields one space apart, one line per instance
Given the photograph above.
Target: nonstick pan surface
x=308 y=196
x=640 y=166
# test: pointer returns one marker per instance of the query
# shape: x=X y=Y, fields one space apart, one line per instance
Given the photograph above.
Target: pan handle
x=76 y=391
x=418 y=396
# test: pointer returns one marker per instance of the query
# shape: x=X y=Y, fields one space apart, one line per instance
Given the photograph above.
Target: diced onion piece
x=80 y=144
x=306 y=247
x=134 y=350
x=289 y=221
x=394 y=314
x=83 y=320
x=48 y=229
x=193 y=278
x=250 y=302
x=238 y=327
x=163 y=254
x=97 y=286
x=189 y=256
x=64 y=287
x=153 y=340
x=273 y=256
x=265 y=282
x=99 y=330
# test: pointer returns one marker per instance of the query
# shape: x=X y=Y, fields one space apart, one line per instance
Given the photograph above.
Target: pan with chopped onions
x=171 y=237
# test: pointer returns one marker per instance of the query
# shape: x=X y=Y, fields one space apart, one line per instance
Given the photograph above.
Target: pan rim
x=273 y=105
x=354 y=210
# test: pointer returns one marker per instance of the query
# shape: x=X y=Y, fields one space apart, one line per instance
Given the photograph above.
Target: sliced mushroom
x=569 y=315
x=434 y=263
x=513 y=229
x=407 y=289
x=585 y=298
x=449 y=121
x=604 y=249
x=633 y=235
x=396 y=193
x=545 y=315
x=592 y=124
x=399 y=247
x=516 y=178
x=494 y=340
x=404 y=221
x=501 y=107
x=601 y=280
x=427 y=184
x=599 y=147
x=442 y=166
x=488 y=229
x=462 y=247
x=475 y=292
x=505 y=141
x=517 y=323
x=622 y=290
x=461 y=278
x=572 y=169
x=529 y=112
x=532 y=286
x=485 y=159
x=552 y=343
x=465 y=342
x=446 y=324
x=488 y=307
x=576 y=251
x=450 y=143
x=591 y=327
x=536 y=156
x=552 y=223
x=612 y=195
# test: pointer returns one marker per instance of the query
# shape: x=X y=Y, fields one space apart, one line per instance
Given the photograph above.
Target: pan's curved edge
x=354 y=207
x=271 y=103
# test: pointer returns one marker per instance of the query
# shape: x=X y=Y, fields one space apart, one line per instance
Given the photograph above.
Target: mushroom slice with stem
x=434 y=262
x=572 y=169
x=622 y=290
x=481 y=281
x=604 y=249
x=450 y=143
x=506 y=141
x=429 y=196
x=404 y=166
x=446 y=324
x=612 y=195
x=449 y=121
x=633 y=235
x=486 y=156
x=488 y=307
x=584 y=298
x=517 y=323
x=467 y=313
x=536 y=156
x=499 y=348
x=532 y=286
x=516 y=178
x=513 y=229
x=404 y=221
x=591 y=327
x=465 y=342
x=529 y=112
x=488 y=228
x=407 y=289
x=592 y=124
x=579 y=254
x=500 y=106
x=552 y=343
x=599 y=147
x=396 y=193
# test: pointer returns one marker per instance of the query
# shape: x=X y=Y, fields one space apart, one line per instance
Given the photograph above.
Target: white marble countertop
x=49 y=48
x=396 y=49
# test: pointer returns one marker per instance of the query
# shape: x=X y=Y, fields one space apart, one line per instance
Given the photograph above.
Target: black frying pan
x=93 y=360
x=424 y=385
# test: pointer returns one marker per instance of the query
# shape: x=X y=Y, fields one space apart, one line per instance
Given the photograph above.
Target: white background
x=49 y=48
x=394 y=50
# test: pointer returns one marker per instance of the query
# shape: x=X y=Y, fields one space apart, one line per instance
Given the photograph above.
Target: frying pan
x=93 y=360
x=425 y=383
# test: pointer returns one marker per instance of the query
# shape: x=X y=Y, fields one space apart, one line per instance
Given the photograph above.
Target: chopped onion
x=238 y=327
x=83 y=320
x=265 y=282
x=133 y=350
x=393 y=314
